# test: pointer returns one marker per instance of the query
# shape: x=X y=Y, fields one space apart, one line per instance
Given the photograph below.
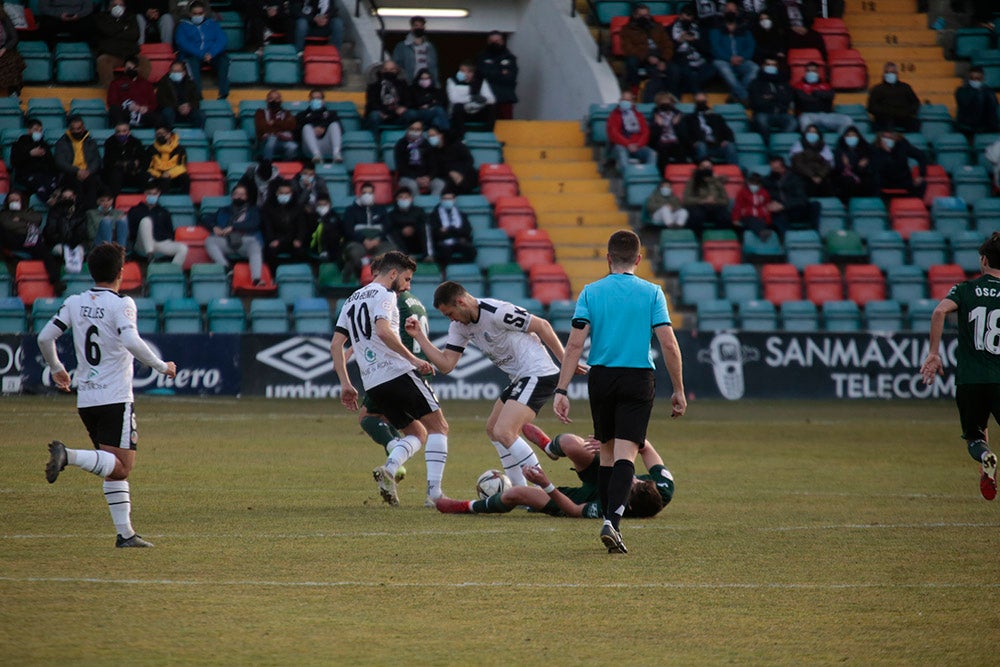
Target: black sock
x=603 y=479
x=618 y=490
x=976 y=450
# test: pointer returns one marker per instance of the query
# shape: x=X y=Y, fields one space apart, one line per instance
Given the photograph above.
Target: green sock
x=378 y=430
x=554 y=446
x=492 y=505
x=976 y=450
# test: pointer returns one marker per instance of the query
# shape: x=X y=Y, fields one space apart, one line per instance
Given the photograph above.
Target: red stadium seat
x=125 y=202
x=549 y=283
x=908 y=215
x=533 y=246
x=615 y=28
x=194 y=237
x=848 y=70
x=288 y=170
x=131 y=277
x=496 y=181
x=721 y=253
x=942 y=277
x=321 y=66
x=32 y=282
x=679 y=174
x=732 y=177
x=514 y=214
x=938 y=183
x=378 y=174
x=206 y=180
x=835 y=33
x=4 y=179
x=781 y=283
x=160 y=57
x=865 y=283
x=823 y=283
x=243 y=285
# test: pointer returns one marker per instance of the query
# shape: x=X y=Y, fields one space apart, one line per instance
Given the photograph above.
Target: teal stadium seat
x=678 y=247
x=841 y=316
x=312 y=316
x=294 y=281
x=5 y=280
x=282 y=66
x=208 y=282
x=970 y=40
x=951 y=151
x=639 y=181
x=269 y=316
x=469 y=275
x=37 y=61
x=181 y=316
x=195 y=142
x=226 y=315
x=804 y=247
x=965 y=250
x=987 y=214
x=740 y=282
x=476 y=207
x=561 y=315
x=608 y=9
x=148 y=319
x=492 y=246
x=10 y=113
x=234 y=27
x=74 y=63
x=508 y=282
x=485 y=148
x=907 y=283
x=387 y=146
x=597 y=123
x=950 y=216
x=884 y=315
x=338 y=181
x=12 y=315
x=781 y=143
x=358 y=147
x=244 y=69
x=182 y=210
x=756 y=249
x=799 y=316
x=919 y=313
x=887 y=249
x=971 y=183
x=758 y=315
x=218 y=116
x=50 y=111
x=165 y=281
x=832 y=216
x=928 y=249
x=981 y=141
x=42 y=311
x=715 y=315
x=93 y=112
x=751 y=149
x=230 y=146
x=935 y=120
x=698 y=282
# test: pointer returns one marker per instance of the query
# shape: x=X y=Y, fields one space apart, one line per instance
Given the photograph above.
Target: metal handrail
x=373 y=11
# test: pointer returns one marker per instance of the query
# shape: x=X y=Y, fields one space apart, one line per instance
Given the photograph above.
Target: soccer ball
x=491 y=483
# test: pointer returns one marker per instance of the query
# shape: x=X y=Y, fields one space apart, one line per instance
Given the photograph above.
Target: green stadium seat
x=269 y=316
x=841 y=316
x=698 y=282
x=208 y=282
x=884 y=315
x=799 y=316
x=928 y=249
x=181 y=316
x=677 y=248
x=226 y=315
x=312 y=316
x=740 y=282
x=715 y=315
x=804 y=247
x=13 y=318
x=507 y=281
x=844 y=246
x=907 y=283
x=330 y=283
x=165 y=281
x=757 y=315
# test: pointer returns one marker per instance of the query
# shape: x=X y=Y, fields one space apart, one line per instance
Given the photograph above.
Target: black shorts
x=621 y=401
x=372 y=406
x=112 y=425
x=976 y=402
x=404 y=399
x=532 y=391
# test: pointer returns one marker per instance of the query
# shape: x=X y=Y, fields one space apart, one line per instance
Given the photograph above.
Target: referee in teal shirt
x=620 y=312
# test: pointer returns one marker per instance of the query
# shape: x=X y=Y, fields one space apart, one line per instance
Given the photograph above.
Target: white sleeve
x=487 y=92
x=137 y=346
x=47 y=346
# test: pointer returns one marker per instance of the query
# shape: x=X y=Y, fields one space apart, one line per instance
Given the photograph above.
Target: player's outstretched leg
x=538 y=438
x=386 y=485
x=57 y=461
x=96 y=461
x=447 y=505
x=988 y=476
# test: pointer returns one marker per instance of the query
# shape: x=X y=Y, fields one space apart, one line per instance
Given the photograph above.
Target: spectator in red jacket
x=814 y=102
x=132 y=98
x=628 y=134
x=750 y=209
x=276 y=128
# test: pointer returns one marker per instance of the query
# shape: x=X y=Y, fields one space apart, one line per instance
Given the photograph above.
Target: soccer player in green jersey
x=977 y=376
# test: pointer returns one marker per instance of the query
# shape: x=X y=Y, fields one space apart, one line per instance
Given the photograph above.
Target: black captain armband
x=580 y=323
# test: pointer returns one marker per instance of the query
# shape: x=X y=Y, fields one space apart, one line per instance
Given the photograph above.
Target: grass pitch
x=800 y=533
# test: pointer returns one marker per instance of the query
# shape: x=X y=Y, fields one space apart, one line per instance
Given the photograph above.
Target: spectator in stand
x=664 y=209
x=21 y=232
x=117 y=37
x=450 y=233
x=771 y=101
x=168 y=161
x=259 y=180
x=853 y=174
x=11 y=63
x=132 y=99
x=709 y=13
x=790 y=206
x=707 y=134
x=890 y=162
x=796 y=18
x=200 y=41
x=236 y=231
x=151 y=228
x=690 y=68
x=628 y=134
x=317 y=18
x=65 y=231
x=813 y=160
x=414 y=160
x=641 y=38
x=498 y=67
x=658 y=79
x=387 y=99
x=78 y=160
x=72 y=19
x=125 y=161
x=34 y=167
x=814 y=102
x=283 y=224
x=664 y=132
x=750 y=210
x=106 y=224
x=732 y=51
x=705 y=200
x=471 y=99
x=893 y=104
x=156 y=23
x=308 y=188
x=320 y=129
x=265 y=19
x=406 y=227
x=178 y=100
x=976 y=106
x=428 y=103
x=770 y=39
x=416 y=52
x=327 y=241
x=454 y=167
x=275 y=127
x=746 y=11
x=364 y=232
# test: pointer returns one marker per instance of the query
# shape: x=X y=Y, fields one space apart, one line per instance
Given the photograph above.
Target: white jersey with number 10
x=378 y=363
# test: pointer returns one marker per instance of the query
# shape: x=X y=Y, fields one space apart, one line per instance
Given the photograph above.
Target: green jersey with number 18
x=978 y=354
x=410 y=305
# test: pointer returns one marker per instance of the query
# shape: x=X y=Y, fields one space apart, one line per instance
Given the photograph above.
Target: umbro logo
x=301 y=357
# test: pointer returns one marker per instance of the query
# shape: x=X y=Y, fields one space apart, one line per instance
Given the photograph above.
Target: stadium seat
x=148 y=319
x=832 y=216
x=987 y=214
x=886 y=249
x=608 y=9
x=5 y=280
x=639 y=180
x=322 y=66
x=478 y=209
x=919 y=313
x=92 y=111
x=844 y=246
x=797 y=60
x=50 y=111
x=312 y=316
x=928 y=249
x=865 y=283
x=715 y=315
x=533 y=246
x=800 y=316
x=752 y=151
x=230 y=146
x=732 y=178
x=834 y=31
x=823 y=282
x=497 y=180
x=935 y=121
x=950 y=216
x=330 y=283
x=907 y=283
x=698 y=282
x=756 y=249
x=485 y=148
x=508 y=282
x=379 y=176
x=841 y=316
x=970 y=40
x=909 y=215
x=226 y=315
x=549 y=283
x=269 y=316
x=194 y=237
x=469 y=276
x=757 y=315
x=243 y=284
x=208 y=282
x=281 y=65
x=561 y=315
x=37 y=61
x=424 y=282
x=358 y=147
x=678 y=247
x=781 y=282
x=941 y=278
x=965 y=250
x=74 y=63
x=884 y=315
x=679 y=175
x=803 y=247
x=951 y=151
x=42 y=311
x=387 y=145
x=165 y=281
x=218 y=116
x=79 y=282
x=12 y=315
x=493 y=247
x=294 y=281
x=206 y=180
x=740 y=282
x=181 y=316
x=720 y=247
x=160 y=57
x=181 y=208
x=514 y=214
x=971 y=183
x=848 y=70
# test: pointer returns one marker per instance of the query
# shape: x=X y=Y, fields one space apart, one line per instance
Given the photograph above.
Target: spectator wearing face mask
x=428 y=103
x=771 y=101
x=733 y=50
x=498 y=67
x=125 y=161
x=976 y=106
x=664 y=137
x=890 y=162
x=750 y=209
x=283 y=223
x=65 y=230
x=853 y=175
x=893 y=104
x=236 y=232
x=416 y=52
x=317 y=18
x=275 y=127
x=117 y=36
x=796 y=19
x=406 y=226
x=664 y=209
x=814 y=102
x=705 y=200
x=106 y=224
x=259 y=180
x=770 y=39
x=327 y=240
x=414 y=160
x=790 y=206
x=151 y=228
x=320 y=129
x=641 y=38
x=308 y=187
x=168 y=161
x=691 y=68
x=628 y=134
x=34 y=167
x=21 y=232
x=471 y=99
x=707 y=134
x=813 y=160
x=78 y=160
x=387 y=99
x=454 y=166
x=364 y=231
x=132 y=99
x=450 y=233
x=200 y=41
x=178 y=99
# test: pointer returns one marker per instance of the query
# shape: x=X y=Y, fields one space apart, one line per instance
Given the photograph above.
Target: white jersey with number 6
x=357 y=319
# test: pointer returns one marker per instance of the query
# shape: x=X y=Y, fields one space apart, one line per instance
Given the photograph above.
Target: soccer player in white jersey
x=391 y=375
x=513 y=340
x=106 y=340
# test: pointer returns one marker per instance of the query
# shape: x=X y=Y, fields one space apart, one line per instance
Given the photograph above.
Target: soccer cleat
x=134 y=541
x=386 y=485
x=537 y=437
x=400 y=474
x=612 y=539
x=988 y=478
x=57 y=460
x=449 y=506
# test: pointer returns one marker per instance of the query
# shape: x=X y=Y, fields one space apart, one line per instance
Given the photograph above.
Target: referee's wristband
x=550 y=488
x=561 y=392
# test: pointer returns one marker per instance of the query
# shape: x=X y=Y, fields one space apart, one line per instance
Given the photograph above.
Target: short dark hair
x=105 y=262
x=73 y=119
x=393 y=259
x=644 y=500
x=623 y=247
x=153 y=184
x=755 y=179
x=366 y=184
x=976 y=69
x=418 y=19
x=776 y=158
x=447 y=293
x=990 y=249
x=32 y=122
x=197 y=3
x=403 y=190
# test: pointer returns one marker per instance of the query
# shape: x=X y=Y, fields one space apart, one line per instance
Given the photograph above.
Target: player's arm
x=444 y=360
x=932 y=362
x=542 y=328
x=570 y=362
x=536 y=475
x=672 y=359
x=348 y=394
x=650 y=457
x=137 y=346
x=391 y=338
x=47 y=346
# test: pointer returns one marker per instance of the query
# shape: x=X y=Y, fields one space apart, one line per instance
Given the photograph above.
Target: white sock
x=120 y=503
x=435 y=454
x=512 y=471
x=400 y=450
x=519 y=454
x=96 y=461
